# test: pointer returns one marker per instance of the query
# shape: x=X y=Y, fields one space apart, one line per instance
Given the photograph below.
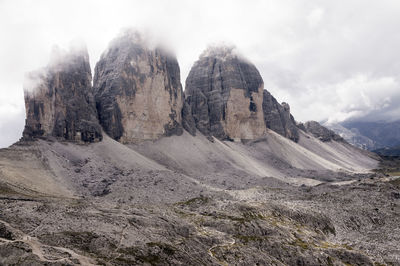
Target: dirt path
x=226 y=242
x=44 y=251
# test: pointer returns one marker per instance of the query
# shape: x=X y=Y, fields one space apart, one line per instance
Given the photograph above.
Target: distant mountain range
x=381 y=136
x=393 y=151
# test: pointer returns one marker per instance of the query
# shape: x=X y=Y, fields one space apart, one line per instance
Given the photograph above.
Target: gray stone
x=5 y=232
x=224 y=92
x=188 y=122
x=59 y=101
x=277 y=117
x=321 y=132
x=138 y=91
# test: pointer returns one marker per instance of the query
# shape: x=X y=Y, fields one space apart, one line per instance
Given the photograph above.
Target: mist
x=331 y=61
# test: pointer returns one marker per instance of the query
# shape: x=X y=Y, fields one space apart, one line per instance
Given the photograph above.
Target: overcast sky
x=330 y=60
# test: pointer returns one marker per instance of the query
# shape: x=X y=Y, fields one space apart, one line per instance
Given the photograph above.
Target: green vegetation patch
x=298 y=242
x=137 y=255
x=396 y=182
x=194 y=201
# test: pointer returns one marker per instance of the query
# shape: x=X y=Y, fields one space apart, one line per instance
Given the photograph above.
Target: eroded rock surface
x=138 y=90
x=321 y=132
x=225 y=93
x=278 y=118
x=59 y=101
x=188 y=122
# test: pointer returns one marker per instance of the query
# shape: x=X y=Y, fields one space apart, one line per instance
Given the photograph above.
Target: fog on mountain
x=131 y=170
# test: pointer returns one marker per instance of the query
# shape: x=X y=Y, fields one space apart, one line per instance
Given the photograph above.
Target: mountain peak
x=322 y=133
x=221 y=51
x=138 y=91
x=59 y=100
x=225 y=95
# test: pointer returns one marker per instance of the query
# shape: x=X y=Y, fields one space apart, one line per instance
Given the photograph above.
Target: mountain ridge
x=221 y=174
x=379 y=135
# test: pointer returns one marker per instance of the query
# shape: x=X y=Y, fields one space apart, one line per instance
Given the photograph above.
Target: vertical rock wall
x=137 y=95
x=138 y=91
x=322 y=133
x=59 y=100
x=224 y=94
x=278 y=118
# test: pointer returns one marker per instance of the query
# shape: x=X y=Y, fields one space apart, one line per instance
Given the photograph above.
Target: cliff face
x=277 y=117
x=137 y=95
x=59 y=100
x=321 y=132
x=353 y=136
x=224 y=94
x=138 y=91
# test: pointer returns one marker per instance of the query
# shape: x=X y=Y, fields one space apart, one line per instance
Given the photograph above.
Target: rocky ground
x=154 y=216
x=106 y=175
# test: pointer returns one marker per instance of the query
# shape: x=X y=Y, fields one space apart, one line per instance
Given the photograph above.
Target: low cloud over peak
x=330 y=61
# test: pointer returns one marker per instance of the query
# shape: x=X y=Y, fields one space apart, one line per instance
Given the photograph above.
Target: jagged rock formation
x=382 y=133
x=277 y=117
x=59 y=100
x=321 y=132
x=188 y=122
x=185 y=200
x=353 y=136
x=224 y=94
x=138 y=91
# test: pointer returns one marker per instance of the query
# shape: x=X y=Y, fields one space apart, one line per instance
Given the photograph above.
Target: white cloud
x=315 y=17
x=316 y=55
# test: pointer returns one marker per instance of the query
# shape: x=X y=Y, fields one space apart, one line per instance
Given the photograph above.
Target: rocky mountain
x=277 y=117
x=186 y=200
x=392 y=151
x=322 y=133
x=372 y=136
x=226 y=98
x=384 y=134
x=353 y=136
x=138 y=90
x=225 y=94
x=150 y=193
x=59 y=100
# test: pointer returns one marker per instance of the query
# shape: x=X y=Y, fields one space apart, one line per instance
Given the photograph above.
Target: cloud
x=330 y=61
x=359 y=97
x=12 y=119
x=315 y=17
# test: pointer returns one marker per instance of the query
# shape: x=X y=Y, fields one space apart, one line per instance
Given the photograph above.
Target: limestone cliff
x=278 y=118
x=224 y=93
x=322 y=133
x=59 y=100
x=138 y=91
